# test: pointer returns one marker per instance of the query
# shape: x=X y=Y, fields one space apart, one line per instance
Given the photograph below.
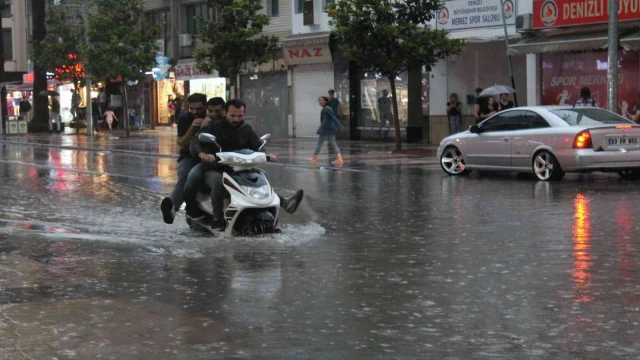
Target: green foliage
x=390 y=37
x=236 y=38
x=121 y=43
x=65 y=35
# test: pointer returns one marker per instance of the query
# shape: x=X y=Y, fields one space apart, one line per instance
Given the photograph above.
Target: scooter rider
x=188 y=125
x=195 y=180
x=233 y=134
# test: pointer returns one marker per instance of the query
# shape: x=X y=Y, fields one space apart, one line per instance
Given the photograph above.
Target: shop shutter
x=309 y=83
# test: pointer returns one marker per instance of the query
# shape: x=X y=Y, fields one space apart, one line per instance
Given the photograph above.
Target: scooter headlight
x=259 y=193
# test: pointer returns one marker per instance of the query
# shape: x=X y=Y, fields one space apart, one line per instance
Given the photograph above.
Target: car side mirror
x=474 y=129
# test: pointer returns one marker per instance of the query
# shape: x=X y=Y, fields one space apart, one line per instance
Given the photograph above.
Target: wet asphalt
x=387 y=258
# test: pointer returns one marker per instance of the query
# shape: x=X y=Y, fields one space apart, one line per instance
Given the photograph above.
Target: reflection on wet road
x=381 y=264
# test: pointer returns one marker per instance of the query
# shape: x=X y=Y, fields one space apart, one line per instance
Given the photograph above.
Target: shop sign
x=307 y=51
x=473 y=14
x=28 y=78
x=564 y=74
x=557 y=13
x=187 y=70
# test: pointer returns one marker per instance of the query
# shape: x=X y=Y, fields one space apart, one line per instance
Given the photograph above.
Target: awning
x=630 y=42
x=561 y=43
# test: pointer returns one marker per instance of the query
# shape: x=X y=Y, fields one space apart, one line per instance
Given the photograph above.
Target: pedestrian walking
x=25 y=109
x=585 y=99
x=329 y=125
x=454 y=113
x=504 y=102
x=54 y=114
x=109 y=117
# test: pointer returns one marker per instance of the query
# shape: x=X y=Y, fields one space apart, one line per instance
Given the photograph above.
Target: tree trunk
x=396 y=120
x=3 y=95
x=125 y=108
x=40 y=103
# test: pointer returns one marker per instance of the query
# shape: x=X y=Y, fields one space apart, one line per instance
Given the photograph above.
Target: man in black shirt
x=505 y=103
x=188 y=125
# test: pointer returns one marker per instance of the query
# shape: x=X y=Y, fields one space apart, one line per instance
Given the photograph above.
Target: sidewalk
x=296 y=151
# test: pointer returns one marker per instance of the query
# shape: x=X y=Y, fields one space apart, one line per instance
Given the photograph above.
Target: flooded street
x=382 y=262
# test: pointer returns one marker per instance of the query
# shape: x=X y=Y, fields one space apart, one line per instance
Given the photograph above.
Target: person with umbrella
x=504 y=102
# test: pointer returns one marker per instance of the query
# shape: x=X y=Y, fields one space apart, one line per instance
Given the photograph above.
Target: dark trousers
x=184 y=167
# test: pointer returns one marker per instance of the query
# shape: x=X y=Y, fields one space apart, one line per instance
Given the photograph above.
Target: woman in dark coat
x=329 y=125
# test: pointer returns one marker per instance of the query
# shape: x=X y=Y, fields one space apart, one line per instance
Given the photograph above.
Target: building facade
x=263 y=87
x=481 y=64
x=565 y=44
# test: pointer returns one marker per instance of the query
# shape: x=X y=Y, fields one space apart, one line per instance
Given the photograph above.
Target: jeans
x=454 y=124
x=184 y=167
x=332 y=142
x=213 y=179
x=138 y=119
x=195 y=181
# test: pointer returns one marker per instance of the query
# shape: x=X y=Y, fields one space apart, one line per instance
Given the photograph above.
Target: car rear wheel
x=546 y=167
x=629 y=174
x=452 y=162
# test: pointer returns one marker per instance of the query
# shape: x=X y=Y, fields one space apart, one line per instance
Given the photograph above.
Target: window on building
x=6 y=11
x=197 y=13
x=299 y=6
x=274 y=8
x=8 y=44
x=163 y=20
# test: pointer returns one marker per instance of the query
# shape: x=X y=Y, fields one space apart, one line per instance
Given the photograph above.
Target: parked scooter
x=253 y=206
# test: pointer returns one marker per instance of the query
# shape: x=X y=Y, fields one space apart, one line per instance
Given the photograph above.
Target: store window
x=8 y=44
x=375 y=103
x=196 y=14
x=162 y=19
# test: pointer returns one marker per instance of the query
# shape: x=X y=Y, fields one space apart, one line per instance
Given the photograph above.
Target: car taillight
x=583 y=140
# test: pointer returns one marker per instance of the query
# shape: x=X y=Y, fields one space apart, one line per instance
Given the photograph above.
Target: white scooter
x=253 y=207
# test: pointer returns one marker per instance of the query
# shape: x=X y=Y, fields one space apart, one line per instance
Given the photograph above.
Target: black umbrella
x=48 y=93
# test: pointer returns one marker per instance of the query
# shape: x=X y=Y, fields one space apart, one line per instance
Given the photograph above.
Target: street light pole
x=88 y=114
x=612 y=58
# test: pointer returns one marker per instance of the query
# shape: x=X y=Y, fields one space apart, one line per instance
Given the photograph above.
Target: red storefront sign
x=564 y=74
x=557 y=13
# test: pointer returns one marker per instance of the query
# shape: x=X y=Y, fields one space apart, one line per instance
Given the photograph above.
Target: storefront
x=198 y=81
x=482 y=63
x=312 y=73
x=167 y=92
x=571 y=52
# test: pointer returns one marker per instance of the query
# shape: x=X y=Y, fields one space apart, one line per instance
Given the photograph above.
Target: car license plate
x=623 y=141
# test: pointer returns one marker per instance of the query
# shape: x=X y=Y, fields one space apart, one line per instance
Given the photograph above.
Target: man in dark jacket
x=232 y=134
x=188 y=125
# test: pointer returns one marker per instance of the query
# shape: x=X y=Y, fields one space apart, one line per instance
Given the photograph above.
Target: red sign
x=28 y=78
x=557 y=13
x=305 y=53
x=564 y=74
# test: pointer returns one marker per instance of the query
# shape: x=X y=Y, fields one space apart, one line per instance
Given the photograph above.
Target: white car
x=547 y=141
